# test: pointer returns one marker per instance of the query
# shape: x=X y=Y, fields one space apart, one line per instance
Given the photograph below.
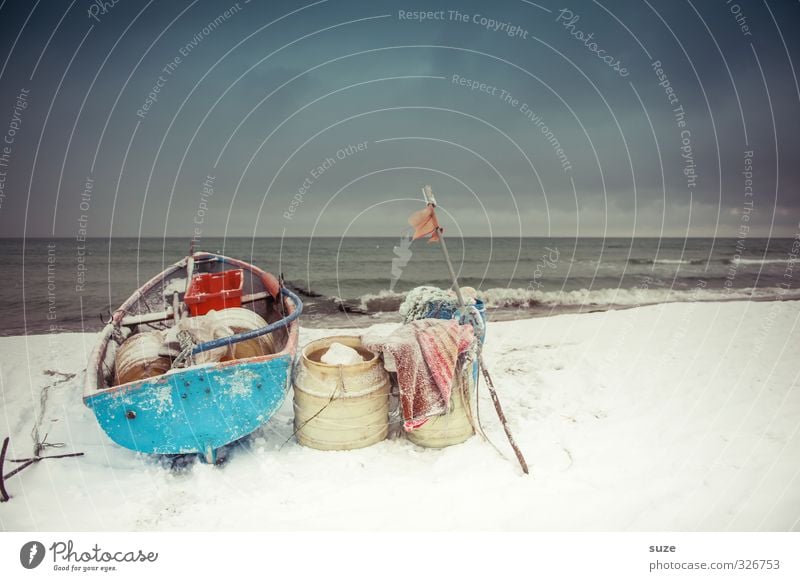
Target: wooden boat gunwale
x=93 y=387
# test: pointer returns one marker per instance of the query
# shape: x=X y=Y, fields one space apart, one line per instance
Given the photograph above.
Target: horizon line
x=189 y=238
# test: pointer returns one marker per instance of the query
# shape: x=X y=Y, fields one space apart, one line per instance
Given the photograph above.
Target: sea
x=65 y=285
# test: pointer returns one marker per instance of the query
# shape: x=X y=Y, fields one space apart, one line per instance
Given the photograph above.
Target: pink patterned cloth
x=425 y=352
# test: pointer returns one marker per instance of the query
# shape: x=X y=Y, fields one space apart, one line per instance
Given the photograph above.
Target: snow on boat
x=160 y=382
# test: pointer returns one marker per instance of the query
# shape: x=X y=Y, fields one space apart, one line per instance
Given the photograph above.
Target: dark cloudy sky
x=264 y=93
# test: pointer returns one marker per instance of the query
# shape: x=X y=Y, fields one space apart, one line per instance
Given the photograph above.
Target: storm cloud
x=638 y=118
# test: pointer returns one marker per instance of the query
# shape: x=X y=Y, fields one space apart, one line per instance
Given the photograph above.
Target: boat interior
x=152 y=331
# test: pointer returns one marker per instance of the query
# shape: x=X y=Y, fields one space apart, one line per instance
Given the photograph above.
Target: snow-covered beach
x=682 y=416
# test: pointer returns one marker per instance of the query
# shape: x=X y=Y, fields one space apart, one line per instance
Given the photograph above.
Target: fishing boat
x=197 y=358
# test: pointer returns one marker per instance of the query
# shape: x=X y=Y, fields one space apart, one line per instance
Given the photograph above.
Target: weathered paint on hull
x=196 y=410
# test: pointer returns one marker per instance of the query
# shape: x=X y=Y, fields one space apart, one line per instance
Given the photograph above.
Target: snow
x=176 y=285
x=417 y=301
x=338 y=354
x=681 y=416
x=164 y=400
x=240 y=382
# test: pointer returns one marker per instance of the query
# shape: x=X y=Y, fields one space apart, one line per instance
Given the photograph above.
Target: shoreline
x=358 y=320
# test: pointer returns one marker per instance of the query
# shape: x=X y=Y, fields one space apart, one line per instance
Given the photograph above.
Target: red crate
x=215 y=291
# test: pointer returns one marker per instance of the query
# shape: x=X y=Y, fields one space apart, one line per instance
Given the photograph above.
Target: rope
x=322 y=409
x=40 y=444
x=478 y=414
x=4 y=496
x=185 y=356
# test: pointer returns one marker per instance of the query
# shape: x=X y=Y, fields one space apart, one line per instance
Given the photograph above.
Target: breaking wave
x=757 y=261
x=383 y=302
x=519 y=298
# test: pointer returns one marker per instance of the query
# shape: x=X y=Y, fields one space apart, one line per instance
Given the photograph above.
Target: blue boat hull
x=197 y=409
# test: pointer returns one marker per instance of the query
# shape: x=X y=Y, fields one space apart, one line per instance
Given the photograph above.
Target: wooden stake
x=499 y=409
x=495 y=400
x=25 y=462
x=3 y=494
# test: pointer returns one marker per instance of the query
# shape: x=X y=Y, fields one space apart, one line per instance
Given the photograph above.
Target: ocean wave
x=758 y=261
x=626 y=297
x=382 y=302
x=520 y=298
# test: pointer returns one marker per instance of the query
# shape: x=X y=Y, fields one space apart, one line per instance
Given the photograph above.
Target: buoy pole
x=431 y=201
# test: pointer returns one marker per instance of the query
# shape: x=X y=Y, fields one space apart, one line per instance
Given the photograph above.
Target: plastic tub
x=214 y=291
x=451 y=428
x=340 y=407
